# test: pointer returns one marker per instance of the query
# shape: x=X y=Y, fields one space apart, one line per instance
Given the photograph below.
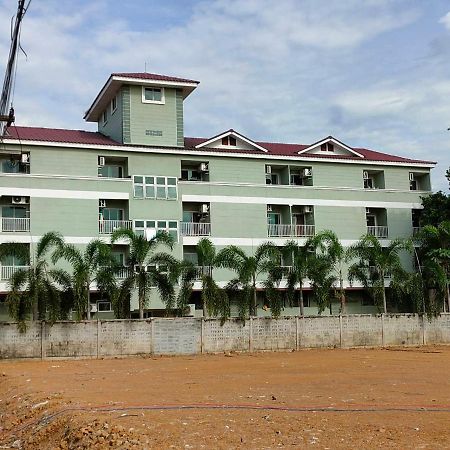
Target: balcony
x=8 y=271
x=109 y=226
x=10 y=224
x=378 y=231
x=195 y=229
x=287 y=230
x=123 y=273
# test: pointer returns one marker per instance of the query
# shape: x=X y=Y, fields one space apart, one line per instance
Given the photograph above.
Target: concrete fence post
x=202 y=335
x=98 y=338
x=424 y=339
x=382 y=329
x=340 y=331
x=297 y=332
x=152 y=338
x=42 y=339
x=250 y=335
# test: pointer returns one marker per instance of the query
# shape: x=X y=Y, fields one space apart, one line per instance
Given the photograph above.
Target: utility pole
x=6 y=109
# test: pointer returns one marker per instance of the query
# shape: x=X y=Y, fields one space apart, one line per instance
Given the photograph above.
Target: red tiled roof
x=274 y=148
x=153 y=76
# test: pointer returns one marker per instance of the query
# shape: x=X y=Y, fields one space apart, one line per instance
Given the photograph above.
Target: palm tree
x=435 y=248
x=248 y=269
x=214 y=299
x=33 y=288
x=330 y=246
x=145 y=266
x=86 y=267
x=302 y=258
x=375 y=263
x=323 y=281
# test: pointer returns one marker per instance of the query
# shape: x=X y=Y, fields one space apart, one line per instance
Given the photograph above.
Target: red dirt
x=373 y=398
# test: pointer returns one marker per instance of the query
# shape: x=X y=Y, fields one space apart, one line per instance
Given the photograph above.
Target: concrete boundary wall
x=185 y=336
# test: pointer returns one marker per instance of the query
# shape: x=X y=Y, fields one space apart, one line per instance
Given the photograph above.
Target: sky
x=372 y=73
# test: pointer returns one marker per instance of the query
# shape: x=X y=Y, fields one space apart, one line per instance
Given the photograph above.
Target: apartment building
x=139 y=171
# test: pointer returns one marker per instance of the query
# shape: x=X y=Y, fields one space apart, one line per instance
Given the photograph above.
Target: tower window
x=153 y=95
x=229 y=140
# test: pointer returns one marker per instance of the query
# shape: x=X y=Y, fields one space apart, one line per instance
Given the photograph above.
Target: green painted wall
x=113 y=127
x=149 y=116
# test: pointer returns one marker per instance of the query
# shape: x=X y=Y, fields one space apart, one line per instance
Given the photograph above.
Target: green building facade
x=140 y=172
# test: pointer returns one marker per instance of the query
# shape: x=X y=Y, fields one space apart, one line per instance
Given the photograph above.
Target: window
x=105 y=117
x=152 y=95
x=104 y=306
x=15 y=212
x=273 y=218
x=114 y=105
x=110 y=171
x=272 y=178
x=327 y=147
x=111 y=214
x=149 y=228
x=161 y=188
x=190 y=175
x=229 y=140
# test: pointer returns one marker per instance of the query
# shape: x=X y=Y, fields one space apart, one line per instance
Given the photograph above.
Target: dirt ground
x=324 y=399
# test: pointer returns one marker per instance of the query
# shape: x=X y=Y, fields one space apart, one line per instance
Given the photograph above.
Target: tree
x=148 y=268
x=248 y=269
x=323 y=281
x=436 y=209
x=330 y=246
x=33 y=288
x=301 y=256
x=86 y=268
x=376 y=263
x=435 y=248
x=214 y=299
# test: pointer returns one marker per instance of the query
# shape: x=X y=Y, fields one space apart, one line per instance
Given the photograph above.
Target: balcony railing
x=122 y=273
x=379 y=232
x=195 y=229
x=109 y=226
x=416 y=231
x=202 y=270
x=15 y=224
x=287 y=230
x=8 y=271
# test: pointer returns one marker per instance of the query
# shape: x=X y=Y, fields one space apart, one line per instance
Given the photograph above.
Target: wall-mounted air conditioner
x=268 y=169
x=368 y=211
x=101 y=161
x=307 y=209
x=204 y=167
x=269 y=208
x=25 y=158
x=365 y=175
x=204 y=208
x=93 y=308
x=20 y=201
x=102 y=203
x=190 y=310
x=411 y=176
x=307 y=172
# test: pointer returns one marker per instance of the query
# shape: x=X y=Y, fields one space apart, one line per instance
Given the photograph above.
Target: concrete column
x=382 y=329
x=43 y=339
x=98 y=338
x=152 y=338
x=424 y=339
x=297 y=333
x=202 y=334
x=250 y=334
x=340 y=331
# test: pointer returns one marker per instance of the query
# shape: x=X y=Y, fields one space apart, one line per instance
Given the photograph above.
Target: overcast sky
x=373 y=73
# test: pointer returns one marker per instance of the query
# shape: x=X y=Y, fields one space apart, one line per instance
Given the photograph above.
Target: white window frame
x=105 y=117
x=114 y=105
x=156 y=228
x=104 y=302
x=156 y=102
x=155 y=185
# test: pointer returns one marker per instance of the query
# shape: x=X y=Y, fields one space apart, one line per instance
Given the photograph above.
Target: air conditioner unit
x=307 y=172
x=368 y=211
x=269 y=208
x=20 y=200
x=101 y=161
x=25 y=158
x=204 y=167
x=102 y=203
x=93 y=308
x=411 y=176
x=204 y=208
x=365 y=175
x=307 y=209
x=190 y=310
x=268 y=169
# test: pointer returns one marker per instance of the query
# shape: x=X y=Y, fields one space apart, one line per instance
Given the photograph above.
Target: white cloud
x=445 y=20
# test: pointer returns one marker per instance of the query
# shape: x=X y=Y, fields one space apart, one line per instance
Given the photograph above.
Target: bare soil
x=323 y=399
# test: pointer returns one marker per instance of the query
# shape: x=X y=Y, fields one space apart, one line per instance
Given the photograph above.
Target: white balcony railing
x=379 y=232
x=287 y=230
x=15 y=224
x=195 y=229
x=109 y=226
x=8 y=271
x=122 y=273
x=202 y=270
